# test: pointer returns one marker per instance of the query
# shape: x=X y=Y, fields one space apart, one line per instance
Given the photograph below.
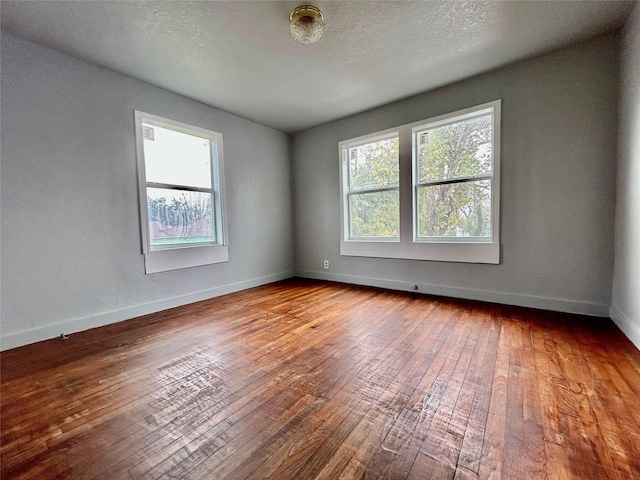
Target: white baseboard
x=99 y=320
x=544 y=303
x=85 y=323
x=631 y=330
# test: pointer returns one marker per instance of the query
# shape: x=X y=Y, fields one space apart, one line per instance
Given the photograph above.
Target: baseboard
x=99 y=320
x=85 y=323
x=631 y=330
x=544 y=303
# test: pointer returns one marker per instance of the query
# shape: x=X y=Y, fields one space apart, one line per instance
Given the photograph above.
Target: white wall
x=625 y=305
x=71 y=248
x=559 y=129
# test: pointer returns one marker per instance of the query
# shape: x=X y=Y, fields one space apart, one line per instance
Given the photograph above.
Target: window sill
x=176 y=258
x=439 y=252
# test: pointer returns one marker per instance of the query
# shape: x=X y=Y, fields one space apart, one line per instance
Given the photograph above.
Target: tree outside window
x=454 y=170
x=374 y=206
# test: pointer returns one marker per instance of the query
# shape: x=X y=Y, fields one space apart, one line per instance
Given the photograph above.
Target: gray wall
x=71 y=248
x=71 y=254
x=559 y=129
x=625 y=309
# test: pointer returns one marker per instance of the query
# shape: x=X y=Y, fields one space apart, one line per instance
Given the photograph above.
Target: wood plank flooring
x=304 y=379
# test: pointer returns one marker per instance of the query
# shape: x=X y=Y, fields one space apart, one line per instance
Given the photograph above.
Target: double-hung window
x=181 y=194
x=446 y=189
x=372 y=189
x=453 y=172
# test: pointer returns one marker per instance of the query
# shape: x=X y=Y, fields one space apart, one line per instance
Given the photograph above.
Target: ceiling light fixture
x=306 y=24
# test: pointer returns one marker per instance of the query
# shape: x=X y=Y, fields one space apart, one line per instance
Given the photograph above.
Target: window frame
x=440 y=121
x=410 y=245
x=171 y=257
x=346 y=189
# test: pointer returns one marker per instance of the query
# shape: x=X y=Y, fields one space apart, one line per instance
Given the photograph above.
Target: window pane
x=375 y=215
x=176 y=158
x=455 y=210
x=456 y=150
x=178 y=217
x=374 y=165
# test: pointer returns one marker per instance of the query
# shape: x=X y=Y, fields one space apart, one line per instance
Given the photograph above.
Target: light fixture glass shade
x=306 y=24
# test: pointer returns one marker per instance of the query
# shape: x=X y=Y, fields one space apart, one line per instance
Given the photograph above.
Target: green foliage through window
x=454 y=168
x=374 y=206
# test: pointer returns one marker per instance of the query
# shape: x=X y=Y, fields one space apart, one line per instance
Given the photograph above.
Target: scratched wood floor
x=304 y=379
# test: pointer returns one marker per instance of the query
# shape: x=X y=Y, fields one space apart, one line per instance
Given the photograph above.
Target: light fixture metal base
x=306 y=24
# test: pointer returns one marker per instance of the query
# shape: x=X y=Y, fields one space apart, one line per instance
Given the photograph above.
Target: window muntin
x=181 y=194
x=372 y=195
x=453 y=172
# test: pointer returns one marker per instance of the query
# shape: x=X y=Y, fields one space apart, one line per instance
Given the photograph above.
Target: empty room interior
x=346 y=240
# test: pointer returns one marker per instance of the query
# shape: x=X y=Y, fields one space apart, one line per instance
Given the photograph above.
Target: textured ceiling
x=238 y=55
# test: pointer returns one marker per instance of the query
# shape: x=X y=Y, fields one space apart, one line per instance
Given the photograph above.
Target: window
x=372 y=189
x=181 y=194
x=453 y=169
x=439 y=176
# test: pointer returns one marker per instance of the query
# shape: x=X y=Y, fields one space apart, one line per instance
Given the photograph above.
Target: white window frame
x=345 y=148
x=409 y=246
x=173 y=257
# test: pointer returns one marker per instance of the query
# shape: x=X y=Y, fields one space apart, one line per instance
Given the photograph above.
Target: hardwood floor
x=305 y=379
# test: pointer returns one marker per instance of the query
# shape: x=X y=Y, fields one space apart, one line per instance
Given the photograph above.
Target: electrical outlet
x=326 y=264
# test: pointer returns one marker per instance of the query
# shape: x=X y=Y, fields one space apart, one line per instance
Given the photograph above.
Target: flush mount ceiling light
x=306 y=24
